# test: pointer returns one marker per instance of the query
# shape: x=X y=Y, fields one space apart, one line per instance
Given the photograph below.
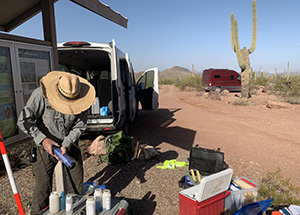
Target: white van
x=111 y=73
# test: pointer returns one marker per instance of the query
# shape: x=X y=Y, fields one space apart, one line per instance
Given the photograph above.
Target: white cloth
x=295 y=209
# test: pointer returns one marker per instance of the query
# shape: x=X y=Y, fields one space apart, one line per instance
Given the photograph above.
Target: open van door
x=147 y=89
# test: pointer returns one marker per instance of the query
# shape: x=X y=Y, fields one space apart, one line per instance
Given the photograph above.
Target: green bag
x=118 y=149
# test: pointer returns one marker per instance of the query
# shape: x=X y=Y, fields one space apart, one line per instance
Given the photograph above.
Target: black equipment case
x=207 y=161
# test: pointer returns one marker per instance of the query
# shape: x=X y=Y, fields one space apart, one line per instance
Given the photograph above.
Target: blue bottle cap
x=102 y=187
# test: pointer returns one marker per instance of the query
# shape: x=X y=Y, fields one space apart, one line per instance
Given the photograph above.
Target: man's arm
x=27 y=119
x=76 y=131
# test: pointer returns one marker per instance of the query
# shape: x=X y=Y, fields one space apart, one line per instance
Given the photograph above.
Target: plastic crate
x=238 y=198
x=211 y=206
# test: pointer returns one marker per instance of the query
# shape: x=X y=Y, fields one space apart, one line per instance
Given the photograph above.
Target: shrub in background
x=240 y=101
x=261 y=81
x=167 y=81
x=287 y=91
x=193 y=81
x=275 y=186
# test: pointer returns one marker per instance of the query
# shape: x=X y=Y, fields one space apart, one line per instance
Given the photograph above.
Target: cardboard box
x=243 y=191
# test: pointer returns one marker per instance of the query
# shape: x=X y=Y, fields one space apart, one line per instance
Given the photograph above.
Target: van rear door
x=131 y=91
x=147 y=89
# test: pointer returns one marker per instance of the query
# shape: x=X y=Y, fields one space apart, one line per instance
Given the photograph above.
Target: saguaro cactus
x=243 y=54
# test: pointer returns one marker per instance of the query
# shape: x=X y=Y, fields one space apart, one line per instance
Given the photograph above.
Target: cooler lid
x=210 y=186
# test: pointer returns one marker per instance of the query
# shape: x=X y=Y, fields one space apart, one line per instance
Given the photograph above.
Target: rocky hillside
x=176 y=71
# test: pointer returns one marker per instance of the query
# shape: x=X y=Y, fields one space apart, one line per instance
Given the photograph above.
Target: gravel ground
x=255 y=140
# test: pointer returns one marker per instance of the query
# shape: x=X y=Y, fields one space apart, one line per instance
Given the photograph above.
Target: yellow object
x=198 y=175
x=193 y=174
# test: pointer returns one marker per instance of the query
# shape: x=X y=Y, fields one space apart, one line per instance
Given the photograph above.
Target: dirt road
x=255 y=140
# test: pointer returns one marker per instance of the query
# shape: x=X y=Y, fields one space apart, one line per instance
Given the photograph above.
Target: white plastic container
x=90 y=206
x=98 y=199
x=69 y=205
x=106 y=200
x=240 y=197
x=54 y=202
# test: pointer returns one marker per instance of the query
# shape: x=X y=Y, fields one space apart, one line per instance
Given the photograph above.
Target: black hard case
x=207 y=161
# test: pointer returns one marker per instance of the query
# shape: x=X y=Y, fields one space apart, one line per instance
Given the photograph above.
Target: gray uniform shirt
x=39 y=120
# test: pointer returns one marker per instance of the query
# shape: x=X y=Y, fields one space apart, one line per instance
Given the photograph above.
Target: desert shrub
x=287 y=91
x=261 y=81
x=166 y=81
x=240 y=101
x=194 y=81
x=253 y=91
x=224 y=92
x=275 y=186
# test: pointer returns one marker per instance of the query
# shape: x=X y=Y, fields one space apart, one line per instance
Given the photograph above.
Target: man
x=56 y=115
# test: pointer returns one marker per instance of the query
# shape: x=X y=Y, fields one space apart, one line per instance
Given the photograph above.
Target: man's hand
x=63 y=149
x=48 y=146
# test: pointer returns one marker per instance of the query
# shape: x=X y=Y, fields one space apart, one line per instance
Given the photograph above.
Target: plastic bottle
x=90 y=206
x=64 y=158
x=89 y=187
x=62 y=201
x=54 y=203
x=106 y=199
x=69 y=205
x=98 y=199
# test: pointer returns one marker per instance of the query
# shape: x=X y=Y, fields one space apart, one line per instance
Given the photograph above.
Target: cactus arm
x=232 y=36
x=237 y=45
x=254 y=28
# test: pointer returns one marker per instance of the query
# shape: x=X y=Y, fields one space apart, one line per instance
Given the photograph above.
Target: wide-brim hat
x=67 y=93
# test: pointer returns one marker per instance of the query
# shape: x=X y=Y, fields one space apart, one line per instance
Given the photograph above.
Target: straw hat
x=67 y=93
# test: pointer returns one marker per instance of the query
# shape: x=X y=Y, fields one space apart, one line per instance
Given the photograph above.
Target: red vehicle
x=218 y=79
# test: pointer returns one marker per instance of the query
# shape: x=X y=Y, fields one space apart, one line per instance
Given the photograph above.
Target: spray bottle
x=62 y=201
x=64 y=158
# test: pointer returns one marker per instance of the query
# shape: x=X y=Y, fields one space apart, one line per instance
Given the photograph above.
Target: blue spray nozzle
x=102 y=187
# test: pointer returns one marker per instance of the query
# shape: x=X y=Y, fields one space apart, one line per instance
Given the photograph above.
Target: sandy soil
x=254 y=138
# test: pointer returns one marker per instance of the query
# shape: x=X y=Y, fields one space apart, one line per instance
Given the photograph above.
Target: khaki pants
x=43 y=170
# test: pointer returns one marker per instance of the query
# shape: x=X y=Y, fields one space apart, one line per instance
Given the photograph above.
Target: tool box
x=206 y=198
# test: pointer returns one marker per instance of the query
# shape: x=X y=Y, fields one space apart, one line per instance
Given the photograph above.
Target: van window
x=217 y=76
x=147 y=80
x=232 y=77
x=132 y=80
x=124 y=72
x=239 y=78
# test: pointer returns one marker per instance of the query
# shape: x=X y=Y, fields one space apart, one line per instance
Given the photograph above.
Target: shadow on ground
x=152 y=128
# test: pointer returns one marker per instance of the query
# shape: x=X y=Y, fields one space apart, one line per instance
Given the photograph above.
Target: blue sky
x=167 y=33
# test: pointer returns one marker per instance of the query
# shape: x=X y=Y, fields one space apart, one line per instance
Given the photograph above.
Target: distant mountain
x=175 y=72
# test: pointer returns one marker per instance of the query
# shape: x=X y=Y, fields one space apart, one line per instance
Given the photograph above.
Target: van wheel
x=218 y=89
